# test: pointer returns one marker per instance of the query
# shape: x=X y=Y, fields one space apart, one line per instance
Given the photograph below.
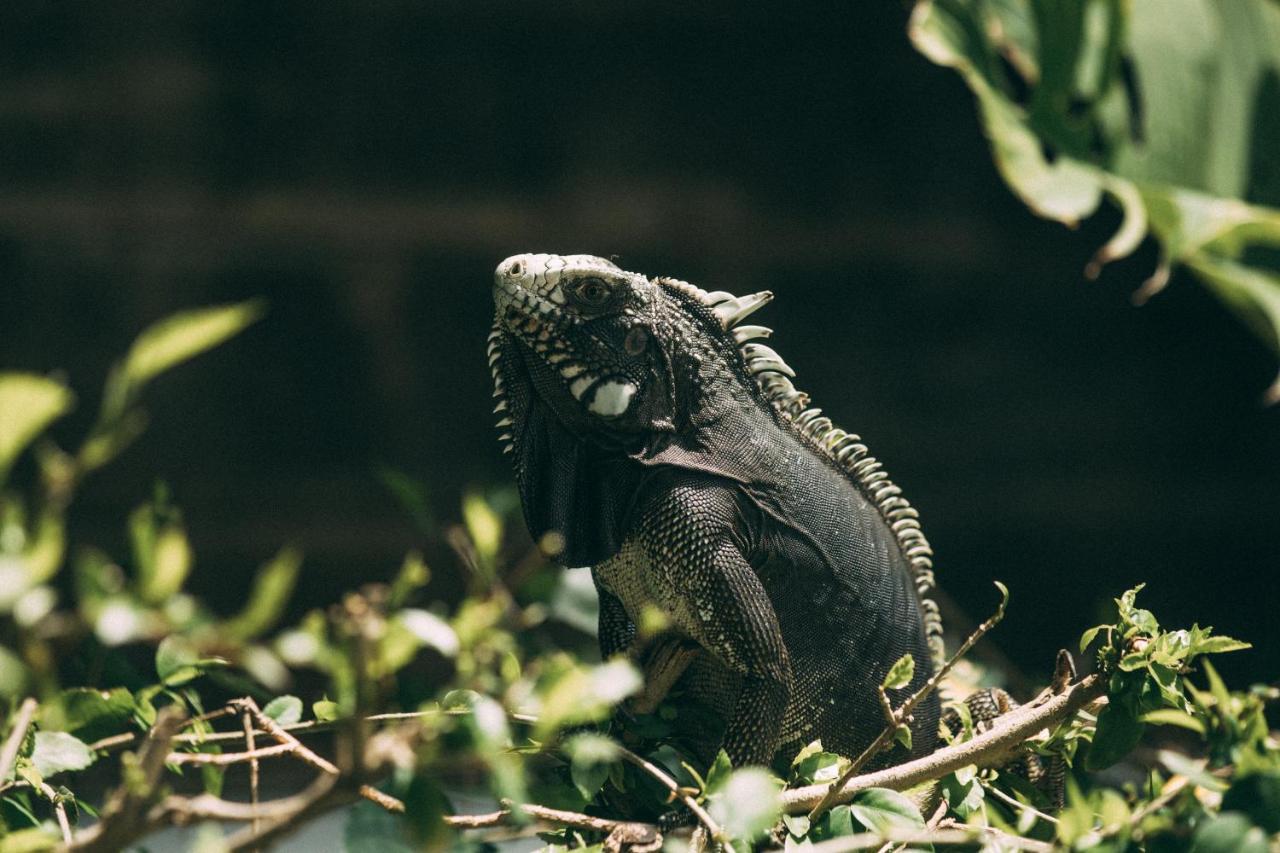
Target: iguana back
x=674 y=455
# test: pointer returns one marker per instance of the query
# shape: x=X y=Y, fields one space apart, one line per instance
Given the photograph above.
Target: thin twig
x=123 y=818
x=896 y=718
x=308 y=727
x=1017 y=804
x=246 y=721
x=21 y=722
x=713 y=828
x=990 y=748
x=226 y=759
x=967 y=836
x=303 y=752
x=59 y=810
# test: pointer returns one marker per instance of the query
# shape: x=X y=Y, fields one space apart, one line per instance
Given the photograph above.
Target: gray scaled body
x=669 y=448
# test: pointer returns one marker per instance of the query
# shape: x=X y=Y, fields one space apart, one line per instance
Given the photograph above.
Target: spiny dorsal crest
x=773 y=378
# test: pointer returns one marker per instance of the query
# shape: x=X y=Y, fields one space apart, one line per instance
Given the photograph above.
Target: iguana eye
x=592 y=293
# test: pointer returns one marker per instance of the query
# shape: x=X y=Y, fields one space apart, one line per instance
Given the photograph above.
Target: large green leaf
x=1187 y=142
x=184 y=335
x=28 y=404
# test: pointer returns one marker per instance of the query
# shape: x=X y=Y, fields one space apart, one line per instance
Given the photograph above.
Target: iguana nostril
x=516 y=269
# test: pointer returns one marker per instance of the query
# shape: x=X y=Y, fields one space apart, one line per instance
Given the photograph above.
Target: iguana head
x=584 y=330
x=599 y=372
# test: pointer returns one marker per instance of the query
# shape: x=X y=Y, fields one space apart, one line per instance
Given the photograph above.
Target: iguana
x=669 y=450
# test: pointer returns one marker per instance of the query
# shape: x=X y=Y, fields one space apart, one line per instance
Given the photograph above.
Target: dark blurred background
x=365 y=165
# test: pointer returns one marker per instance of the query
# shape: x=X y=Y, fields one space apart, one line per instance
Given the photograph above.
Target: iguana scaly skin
x=675 y=457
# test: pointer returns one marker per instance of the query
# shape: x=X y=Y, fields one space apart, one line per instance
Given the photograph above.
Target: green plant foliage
x=490 y=692
x=1166 y=108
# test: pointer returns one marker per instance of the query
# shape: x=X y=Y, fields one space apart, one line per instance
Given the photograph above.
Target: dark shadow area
x=363 y=166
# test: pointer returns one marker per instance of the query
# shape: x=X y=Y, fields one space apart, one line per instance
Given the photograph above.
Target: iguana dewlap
x=671 y=451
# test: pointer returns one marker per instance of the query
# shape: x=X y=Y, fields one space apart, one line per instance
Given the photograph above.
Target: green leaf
x=484 y=527
x=719 y=772
x=267 y=599
x=818 y=767
x=184 y=335
x=32 y=840
x=285 y=710
x=591 y=758
x=836 y=822
x=883 y=810
x=170 y=562
x=901 y=673
x=1230 y=832
x=87 y=713
x=178 y=661
x=1258 y=796
x=429 y=629
x=56 y=752
x=1218 y=645
x=1118 y=733
x=1173 y=717
x=28 y=404
x=748 y=804
x=325 y=710
x=1089 y=131
x=1088 y=636
x=585 y=695
x=13 y=675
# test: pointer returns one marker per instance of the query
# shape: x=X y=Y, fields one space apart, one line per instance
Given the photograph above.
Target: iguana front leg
x=689 y=542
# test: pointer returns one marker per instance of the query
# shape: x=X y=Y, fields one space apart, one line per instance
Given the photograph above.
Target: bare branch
x=21 y=722
x=59 y=810
x=991 y=748
x=124 y=817
x=677 y=793
x=246 y=722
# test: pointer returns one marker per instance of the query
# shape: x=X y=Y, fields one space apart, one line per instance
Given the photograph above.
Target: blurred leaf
x=32 y=840
x=87 y=713
x=325 y=710
x=285 y=710
x=178 y=661
x=575 y=601
x=119 y=621
x=1258 y=796
x=45 y=552
x=412 y=496
x=585 y=695
x=901 y=673
x=882 y=810
x=13 y=675
x=430 y=630
x=1230 y=832
x=748 y=804
x=413 y=575
x=168 y=567
x=1118 y=733
x=1173 y=717
x=184 y=335
x=56 y=752
x=1082 y=134
x=484 y=526
x=425 y=808
x=267 y=599
x=591 y=758
x=28 y=404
